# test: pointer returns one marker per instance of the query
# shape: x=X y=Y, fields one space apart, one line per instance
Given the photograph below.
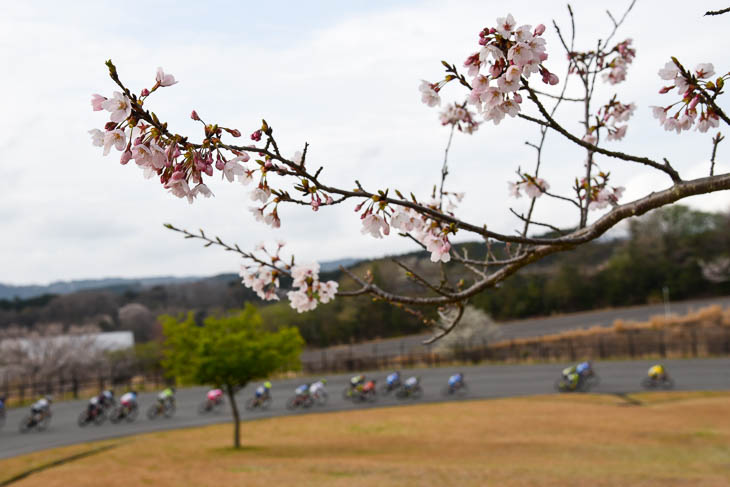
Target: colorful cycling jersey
x=94 y=401
x=40 y=404
x=302 y=389
x=656 y=371
x=358 y=379
x=454 y=379
x=583 y=367
x=317 y=386
x=166 y=394
x=392 y=378
x=260 y=391
x=128 y=398
x=569 y=370
x=411 y=381
x=214 y=394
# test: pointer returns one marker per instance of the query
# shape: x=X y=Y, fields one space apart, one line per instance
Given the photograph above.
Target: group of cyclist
x=574 y=376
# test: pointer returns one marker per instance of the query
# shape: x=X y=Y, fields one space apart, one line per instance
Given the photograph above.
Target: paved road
x=487 y=381
x=518 y=329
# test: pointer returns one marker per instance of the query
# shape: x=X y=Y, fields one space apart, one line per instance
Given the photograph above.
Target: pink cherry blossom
x=164 y=79
x=125 y=158
x=373 y=224
x=96 y=102
x=97 y=137
x=258 y=213
x=514 y=189
x=535 y=187
x=505 y=25
x=231 y=169
x=202 y=189
x=429 y=95
x=659 y=113
x=260 y=194
x=115 y=138
x=704 y=70
x=669 y=71
x=119 y=106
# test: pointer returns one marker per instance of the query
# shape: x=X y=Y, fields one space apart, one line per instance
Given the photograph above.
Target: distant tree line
x=687 y=251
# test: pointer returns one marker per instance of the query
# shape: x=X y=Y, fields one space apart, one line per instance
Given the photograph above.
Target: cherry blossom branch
x=615 y=154
x=715 y=142
x=718 y=12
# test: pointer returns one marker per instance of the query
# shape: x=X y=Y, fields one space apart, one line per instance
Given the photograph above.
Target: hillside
x=676 y=248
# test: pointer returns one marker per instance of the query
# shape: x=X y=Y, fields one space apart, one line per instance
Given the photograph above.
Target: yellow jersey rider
x=657 y=372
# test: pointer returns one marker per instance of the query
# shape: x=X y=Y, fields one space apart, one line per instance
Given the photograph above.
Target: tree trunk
x=236 y=420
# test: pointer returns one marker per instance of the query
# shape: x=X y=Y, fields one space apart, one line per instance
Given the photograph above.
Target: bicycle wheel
x=116 y=415
x=462 y=390
x=153 y=411
x=132 y=413
x=667 y=383
x=321 y=397
x=251 y=404
x=169 y=410
x=417 y=392
x=44 y=422
x=447 y=390
x=292 y=403
x=204 y=407
x=347 y=393
x=26 y=424
x=100 y=417
x=647 y=383
x=561 y=385
x=83 y=419
x=265 y=402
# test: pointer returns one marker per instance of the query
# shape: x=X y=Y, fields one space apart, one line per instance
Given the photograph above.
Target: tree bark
x=236 y=419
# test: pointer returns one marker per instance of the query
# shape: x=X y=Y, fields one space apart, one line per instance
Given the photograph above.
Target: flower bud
x=194 y=116
x=126 y=156
x=256 y=136
x=145 y=92
x=110 y=126
x=539 y=30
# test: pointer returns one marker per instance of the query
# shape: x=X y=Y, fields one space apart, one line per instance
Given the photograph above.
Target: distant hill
x=121 y=285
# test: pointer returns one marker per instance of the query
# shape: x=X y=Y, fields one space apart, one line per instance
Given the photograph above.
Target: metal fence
x=691 y=341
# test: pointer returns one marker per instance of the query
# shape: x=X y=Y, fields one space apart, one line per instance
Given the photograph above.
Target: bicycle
x=664 y=382
x=124 y=411
x=210 y=405
x=261 y=402
x=96 y=415
x=164 y=408
x=299 y=400
x=458 y=388
x=35 y=420
x=410 y=391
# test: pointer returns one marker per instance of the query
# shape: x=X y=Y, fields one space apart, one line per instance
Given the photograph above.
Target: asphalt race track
x=486 y=381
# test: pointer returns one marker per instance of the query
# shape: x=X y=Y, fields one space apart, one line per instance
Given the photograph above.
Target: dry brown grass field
x=674 y=438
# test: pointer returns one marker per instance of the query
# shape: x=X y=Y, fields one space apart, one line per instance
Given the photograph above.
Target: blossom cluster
x=311 y=290
x=617 y=66
x=378 y=218
x=460 y=117
x=533 y=186
x=693 y=109
x=508 y=53
x=598 y=190
x=262 y=276
x=609 y=116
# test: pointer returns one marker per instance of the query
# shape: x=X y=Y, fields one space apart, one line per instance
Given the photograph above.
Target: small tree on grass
x=228 y=351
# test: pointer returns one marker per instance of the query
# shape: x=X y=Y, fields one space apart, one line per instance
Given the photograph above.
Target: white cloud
x=343 y=80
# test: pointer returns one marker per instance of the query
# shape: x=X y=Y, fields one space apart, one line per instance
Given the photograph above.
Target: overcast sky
x=342 y=76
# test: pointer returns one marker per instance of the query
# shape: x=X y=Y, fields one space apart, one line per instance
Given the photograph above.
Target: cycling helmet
x=323 y=381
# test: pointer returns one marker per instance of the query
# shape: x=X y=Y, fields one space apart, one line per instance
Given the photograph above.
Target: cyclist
x=264 y=390
x=571 y=375
x=166 y=396
x=392 y=379
x=317 y=386
x=214 y=395
x=357 y=380
x=41 y=408
x=584 y=369
x=94 y=403
x=106 y=398
x=2 y=403
x=411 y=382
x=302 y=390
x=456 y=380
x=129 y=400
x=657 y=372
